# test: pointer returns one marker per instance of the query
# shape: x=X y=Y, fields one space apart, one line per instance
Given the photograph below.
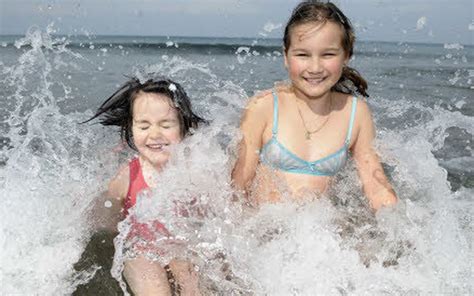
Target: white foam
x=456 y=46
x=269 y=27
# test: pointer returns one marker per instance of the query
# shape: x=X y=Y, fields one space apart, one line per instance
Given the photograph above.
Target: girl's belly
x=272 y=185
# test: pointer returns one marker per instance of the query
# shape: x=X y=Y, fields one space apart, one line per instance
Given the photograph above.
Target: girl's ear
x=285 y=58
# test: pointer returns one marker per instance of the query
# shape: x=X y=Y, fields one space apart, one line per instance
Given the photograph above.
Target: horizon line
x=91 y=36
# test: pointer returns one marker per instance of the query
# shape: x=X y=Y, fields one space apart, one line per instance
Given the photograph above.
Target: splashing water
x=52 y=169
x=48 y=175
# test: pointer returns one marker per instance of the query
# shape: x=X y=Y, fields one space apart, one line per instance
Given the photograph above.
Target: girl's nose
x=155 y=132
x=315 y=65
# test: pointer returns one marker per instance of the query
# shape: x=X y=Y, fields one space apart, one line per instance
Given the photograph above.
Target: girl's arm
x=107 y=209
x=118 y=186
x=375 y=184
x=252 y=127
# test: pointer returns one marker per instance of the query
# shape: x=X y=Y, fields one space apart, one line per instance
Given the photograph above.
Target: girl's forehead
x=153 y=104
x=327 y=31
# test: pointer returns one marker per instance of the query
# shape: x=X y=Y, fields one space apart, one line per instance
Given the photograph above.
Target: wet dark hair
x=322 y=12
x=118 y=108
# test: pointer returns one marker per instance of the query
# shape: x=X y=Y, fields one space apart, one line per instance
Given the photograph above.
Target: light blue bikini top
x=275 y=155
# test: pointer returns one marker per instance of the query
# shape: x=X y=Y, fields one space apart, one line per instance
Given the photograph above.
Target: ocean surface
x=53 y=169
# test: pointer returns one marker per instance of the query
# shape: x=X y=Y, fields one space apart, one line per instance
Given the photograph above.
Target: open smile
x=157 y=147
x=314 y=81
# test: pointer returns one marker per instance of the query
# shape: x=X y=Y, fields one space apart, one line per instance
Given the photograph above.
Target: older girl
x=305 y=131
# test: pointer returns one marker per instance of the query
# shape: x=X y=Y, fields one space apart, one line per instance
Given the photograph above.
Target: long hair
x=117 y=110
x=321 y=12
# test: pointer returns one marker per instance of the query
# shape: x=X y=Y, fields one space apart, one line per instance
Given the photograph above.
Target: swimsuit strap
x=275 y=113
x=351 y=122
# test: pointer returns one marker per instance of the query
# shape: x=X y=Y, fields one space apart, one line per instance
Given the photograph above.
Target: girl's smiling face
x=155 y=127
x=315 y=58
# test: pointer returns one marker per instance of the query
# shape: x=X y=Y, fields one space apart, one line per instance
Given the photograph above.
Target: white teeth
x=156 y=146
x=314 y=80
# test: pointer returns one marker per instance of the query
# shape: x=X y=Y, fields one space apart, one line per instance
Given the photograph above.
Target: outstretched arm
x=252 y=127
x=376 y=186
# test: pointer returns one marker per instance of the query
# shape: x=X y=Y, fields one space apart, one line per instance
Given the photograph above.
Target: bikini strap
x=351 y=122
x=275 y=113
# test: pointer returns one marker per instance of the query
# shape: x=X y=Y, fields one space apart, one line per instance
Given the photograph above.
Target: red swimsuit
x=138 y=185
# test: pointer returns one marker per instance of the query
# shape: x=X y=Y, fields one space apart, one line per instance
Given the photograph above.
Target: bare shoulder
x=363 y=116
x=259 y=108
x=260 y=101
x=362 y=107
x=118 y=186
x=345 y=102
x=363 y=127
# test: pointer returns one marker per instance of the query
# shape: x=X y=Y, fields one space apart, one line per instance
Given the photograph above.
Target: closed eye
x=166 y=124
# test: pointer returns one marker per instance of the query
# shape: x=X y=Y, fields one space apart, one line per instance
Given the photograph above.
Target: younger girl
x=304 y=132
x=152 y=116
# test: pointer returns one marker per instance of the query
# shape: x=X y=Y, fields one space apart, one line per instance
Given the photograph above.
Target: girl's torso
x=138 y=186
x=288 y=155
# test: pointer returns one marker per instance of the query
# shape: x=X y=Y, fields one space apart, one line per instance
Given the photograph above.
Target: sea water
x=53 y=169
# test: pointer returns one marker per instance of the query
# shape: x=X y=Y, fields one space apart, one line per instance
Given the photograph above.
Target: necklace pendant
x=308 y=136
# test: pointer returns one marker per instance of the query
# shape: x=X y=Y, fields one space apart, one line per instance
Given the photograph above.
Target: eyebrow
x=324 y=49
x=146 y=121
x=141 y=121
x=334 y=48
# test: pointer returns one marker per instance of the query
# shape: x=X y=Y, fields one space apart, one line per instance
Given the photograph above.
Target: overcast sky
x=439 y=21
